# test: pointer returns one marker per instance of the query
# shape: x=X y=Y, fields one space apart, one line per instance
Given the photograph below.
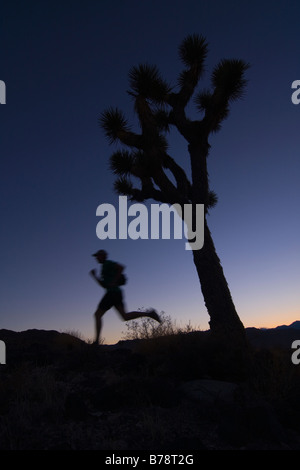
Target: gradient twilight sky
x=63 y=64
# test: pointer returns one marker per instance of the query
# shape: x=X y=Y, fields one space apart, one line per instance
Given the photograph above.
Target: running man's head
x=100 y=256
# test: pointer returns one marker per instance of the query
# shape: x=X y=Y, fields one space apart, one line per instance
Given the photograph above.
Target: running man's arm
x=94 y=275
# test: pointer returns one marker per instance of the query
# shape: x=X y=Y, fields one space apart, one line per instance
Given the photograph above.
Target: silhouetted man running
x=113 y=297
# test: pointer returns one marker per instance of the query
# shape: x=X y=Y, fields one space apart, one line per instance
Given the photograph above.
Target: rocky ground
x=170 y=394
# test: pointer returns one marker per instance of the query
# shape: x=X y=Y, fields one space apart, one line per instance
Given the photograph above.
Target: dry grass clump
x=146 y=328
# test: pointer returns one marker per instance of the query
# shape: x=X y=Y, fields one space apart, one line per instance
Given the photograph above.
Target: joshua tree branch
x=183 y=184
x=149 y=192
x=130 y=139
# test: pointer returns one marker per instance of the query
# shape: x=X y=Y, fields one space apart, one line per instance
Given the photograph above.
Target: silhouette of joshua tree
x=158 y=107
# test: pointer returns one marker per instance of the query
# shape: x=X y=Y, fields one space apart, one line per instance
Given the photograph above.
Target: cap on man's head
x=99 y=252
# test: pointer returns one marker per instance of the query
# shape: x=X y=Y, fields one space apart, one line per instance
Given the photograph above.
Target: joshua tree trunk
x=224 y=320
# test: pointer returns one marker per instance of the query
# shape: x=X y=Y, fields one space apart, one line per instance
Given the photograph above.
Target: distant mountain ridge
x=44 y=342
x=281 y=336
x=295 y=324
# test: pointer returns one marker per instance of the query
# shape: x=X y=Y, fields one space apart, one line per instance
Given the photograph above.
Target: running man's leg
x=136 y=314
x=105 y=304
x=98 y=323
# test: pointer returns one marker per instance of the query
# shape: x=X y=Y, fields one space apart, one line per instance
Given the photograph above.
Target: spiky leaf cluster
x=121 y=162
x=113 y=122
x=193 y=51
x=228 y=78
x=145 y=81
x=123 y=186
